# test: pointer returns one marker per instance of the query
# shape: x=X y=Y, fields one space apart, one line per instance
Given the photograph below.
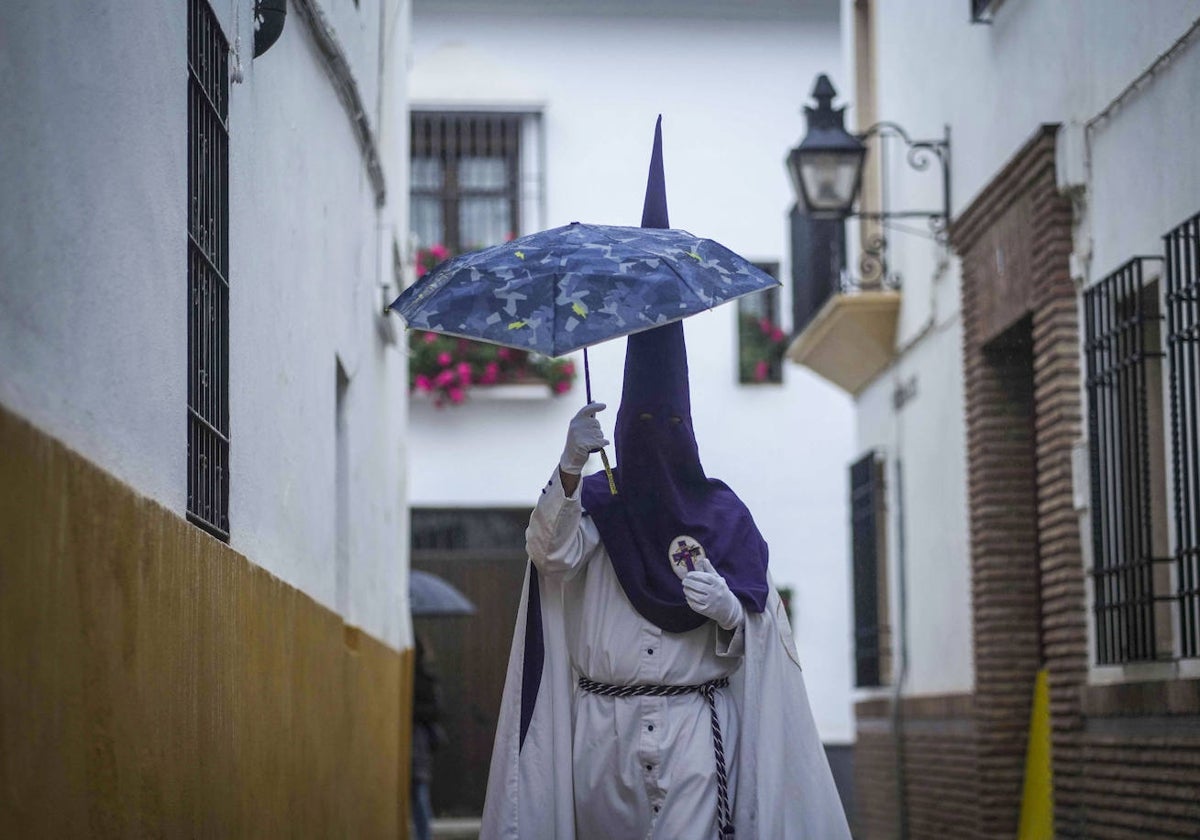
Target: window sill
x=1170 y=695
x=506 y=393
x=513 y=392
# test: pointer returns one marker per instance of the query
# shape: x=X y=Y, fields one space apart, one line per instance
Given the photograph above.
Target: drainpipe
x=902 y=671
x=268 y=23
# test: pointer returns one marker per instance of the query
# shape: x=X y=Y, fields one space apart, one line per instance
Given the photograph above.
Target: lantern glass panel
x=830 y=180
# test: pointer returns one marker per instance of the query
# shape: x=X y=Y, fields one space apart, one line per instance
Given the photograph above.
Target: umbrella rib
x=674 y=271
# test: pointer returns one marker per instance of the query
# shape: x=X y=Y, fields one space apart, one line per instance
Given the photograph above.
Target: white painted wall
x=927 y=437
x=729 y=88
x=92 y=300
x=1039 y=63
x=1145 y=166
x=93 y=180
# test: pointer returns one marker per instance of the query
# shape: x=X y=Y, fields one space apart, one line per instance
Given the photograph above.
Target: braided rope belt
x=708 y=690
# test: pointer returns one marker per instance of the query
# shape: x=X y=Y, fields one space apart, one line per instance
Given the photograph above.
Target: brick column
x=1056 y=352
x=1021 y=362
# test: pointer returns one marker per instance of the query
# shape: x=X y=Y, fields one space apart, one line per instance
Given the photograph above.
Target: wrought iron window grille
x=465 y=178
x=1130 y=571
x=208 y=272
x=437 y=531
x=1182 y=270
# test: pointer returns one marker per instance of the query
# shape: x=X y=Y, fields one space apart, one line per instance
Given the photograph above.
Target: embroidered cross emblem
x=687 y=554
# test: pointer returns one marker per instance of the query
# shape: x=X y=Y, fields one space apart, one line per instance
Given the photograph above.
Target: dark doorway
x=482 y=553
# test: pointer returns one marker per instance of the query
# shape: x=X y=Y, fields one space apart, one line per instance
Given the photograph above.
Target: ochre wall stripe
x=155 y=682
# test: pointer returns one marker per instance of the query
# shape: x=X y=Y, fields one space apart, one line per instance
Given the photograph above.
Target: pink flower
x=569 y=368
x=430 y=338
x=438 y=252
x=464 y=373
x=776 y=334
x=562 y=387
x=422 y=383
x=456 y=395
x=422 y=270
x=491 y=372
x=504 y=353
x=444 y=359
x=444 y=379
x=760 y=371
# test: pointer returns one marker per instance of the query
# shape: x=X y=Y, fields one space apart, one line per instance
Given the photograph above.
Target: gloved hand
x=584 y=436
x=708 y=594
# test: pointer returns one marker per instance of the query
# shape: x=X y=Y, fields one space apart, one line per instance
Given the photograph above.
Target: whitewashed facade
x=728 y=81
x=94 y=268
x=1112 y=89
x=1121 y=153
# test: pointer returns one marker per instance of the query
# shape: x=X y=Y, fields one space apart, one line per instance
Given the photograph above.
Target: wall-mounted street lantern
x=826 y=167
x=826 y=171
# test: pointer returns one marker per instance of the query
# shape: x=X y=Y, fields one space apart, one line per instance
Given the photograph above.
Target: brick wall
x=939 y=768
x=1138 y=766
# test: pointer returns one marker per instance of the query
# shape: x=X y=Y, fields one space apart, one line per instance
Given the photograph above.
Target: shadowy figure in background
x=427 y=736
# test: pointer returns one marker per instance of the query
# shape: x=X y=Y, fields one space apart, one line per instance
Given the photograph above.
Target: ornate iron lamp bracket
x=920 y=155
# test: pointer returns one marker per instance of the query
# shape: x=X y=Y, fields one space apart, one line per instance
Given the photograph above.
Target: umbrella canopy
x=429 y=595
x=570 y=287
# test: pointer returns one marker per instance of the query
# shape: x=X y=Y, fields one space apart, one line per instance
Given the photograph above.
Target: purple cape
x=663 y=493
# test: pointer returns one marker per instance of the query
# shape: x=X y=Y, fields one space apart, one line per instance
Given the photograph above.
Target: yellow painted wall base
x=1037 y=802
x=153 y=682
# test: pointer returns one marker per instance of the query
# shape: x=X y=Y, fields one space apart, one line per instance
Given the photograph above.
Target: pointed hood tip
x=646 y=351
x=654 y=209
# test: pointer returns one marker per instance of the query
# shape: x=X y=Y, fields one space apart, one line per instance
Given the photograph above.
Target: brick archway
x=1022 y=381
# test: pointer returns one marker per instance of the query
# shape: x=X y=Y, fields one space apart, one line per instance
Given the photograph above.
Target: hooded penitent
x=667 y=511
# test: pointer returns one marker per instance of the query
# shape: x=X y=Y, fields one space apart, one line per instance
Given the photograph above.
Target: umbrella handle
x=587 y=378
x=612 y=485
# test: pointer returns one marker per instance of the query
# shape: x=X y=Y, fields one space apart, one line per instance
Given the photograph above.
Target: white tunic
x=643 y=766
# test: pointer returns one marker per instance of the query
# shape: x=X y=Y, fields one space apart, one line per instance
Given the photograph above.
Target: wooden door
x=482 y=553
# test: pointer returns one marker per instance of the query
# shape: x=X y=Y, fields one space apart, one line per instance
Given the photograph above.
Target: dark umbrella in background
x=429 y=595
x=570 y=287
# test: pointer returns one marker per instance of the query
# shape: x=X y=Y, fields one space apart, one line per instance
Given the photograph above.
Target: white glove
x=584 y=436
x=708 y=594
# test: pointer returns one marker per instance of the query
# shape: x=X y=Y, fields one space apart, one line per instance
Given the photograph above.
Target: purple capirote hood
x=663 y=493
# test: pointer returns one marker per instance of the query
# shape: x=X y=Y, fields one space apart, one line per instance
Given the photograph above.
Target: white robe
x=644 y=766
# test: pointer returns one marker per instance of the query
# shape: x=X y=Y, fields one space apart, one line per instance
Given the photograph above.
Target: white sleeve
x=557 y=540
x=732 y=643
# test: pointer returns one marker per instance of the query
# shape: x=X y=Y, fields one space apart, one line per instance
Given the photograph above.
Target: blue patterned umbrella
x=570 y=287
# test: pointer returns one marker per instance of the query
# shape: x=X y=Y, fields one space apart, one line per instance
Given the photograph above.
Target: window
x=208 y=272
x=1131 y=569
x=867 y=524
x=761 y=342
x=1183 y=356
x=465 y=179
